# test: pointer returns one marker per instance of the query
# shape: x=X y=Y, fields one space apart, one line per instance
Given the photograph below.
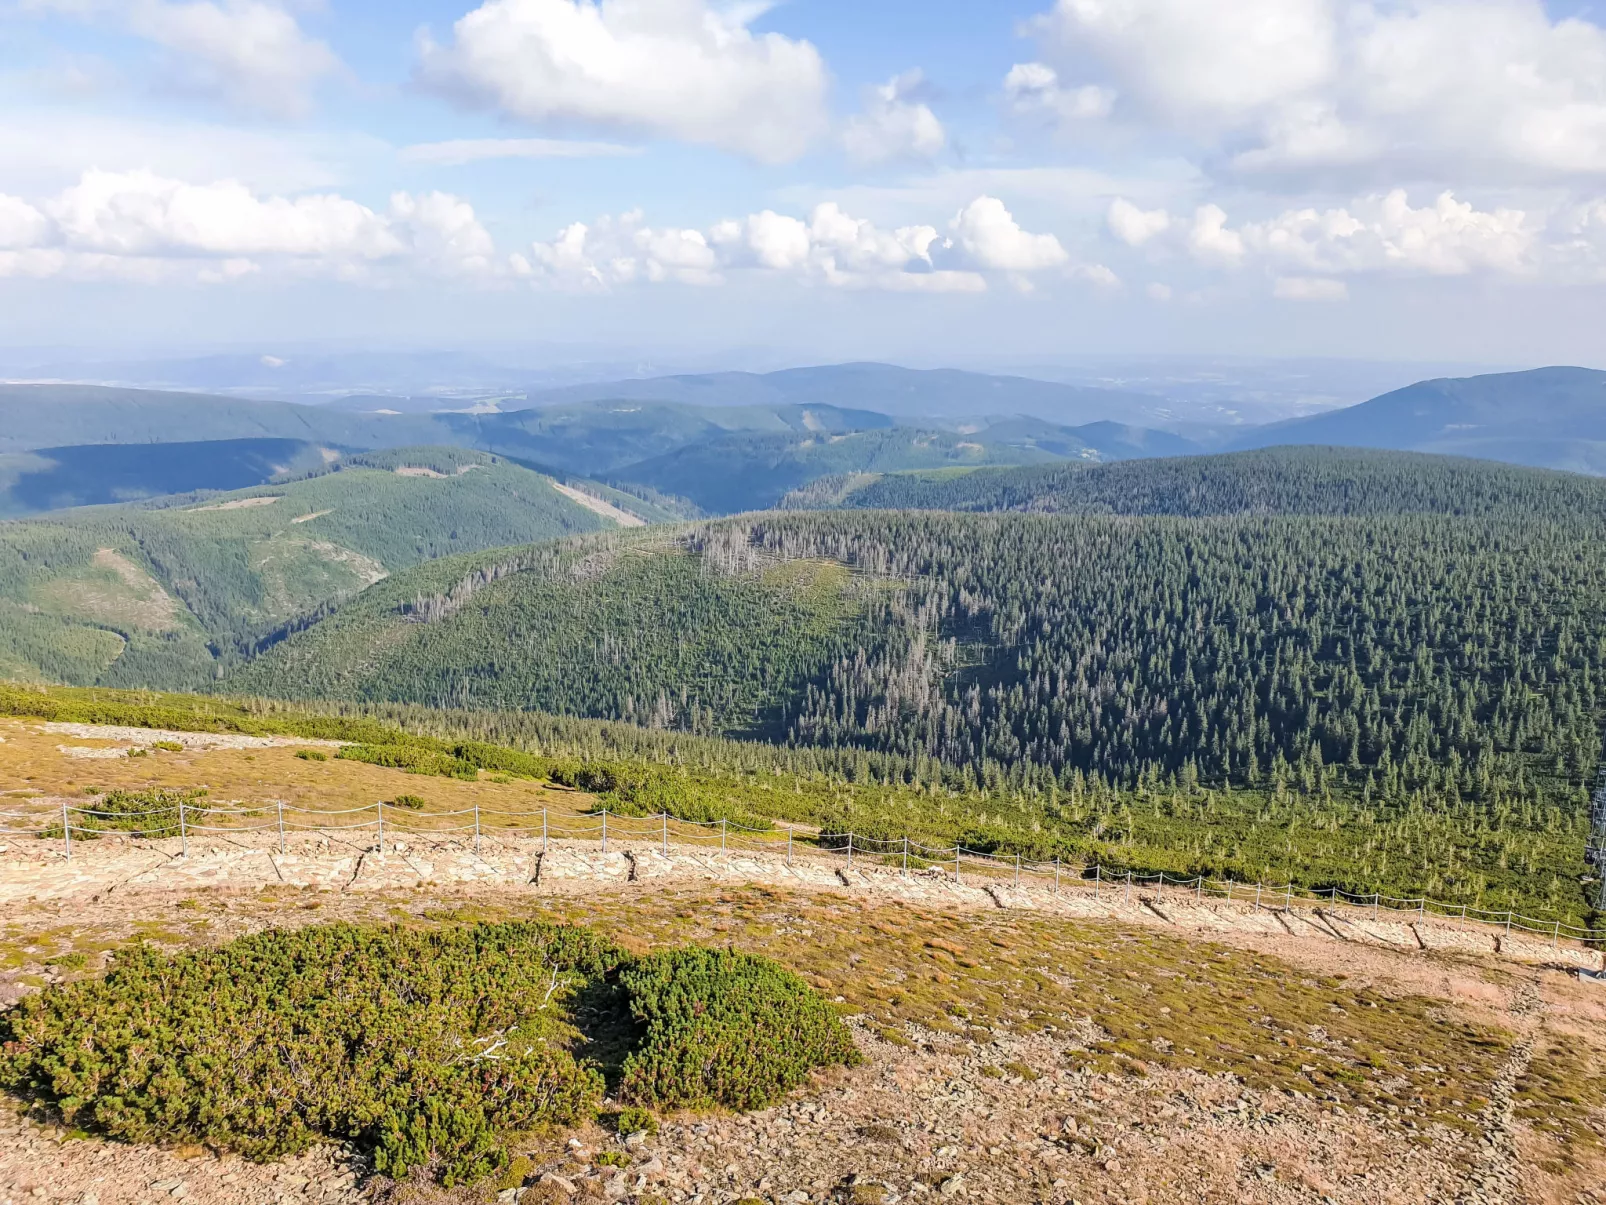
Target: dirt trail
x=34 y=870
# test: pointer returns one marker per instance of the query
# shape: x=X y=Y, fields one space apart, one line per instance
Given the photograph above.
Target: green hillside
x=161 y=593
x=1287 y=481
x=106 y=474
x=754 y=471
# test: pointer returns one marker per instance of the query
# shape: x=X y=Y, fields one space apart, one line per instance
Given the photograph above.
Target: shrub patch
x=423 y=1046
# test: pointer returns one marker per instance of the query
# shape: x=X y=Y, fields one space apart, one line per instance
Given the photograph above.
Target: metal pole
x=956 y=863
x=604 y=830
x=1508 y=922
x=788 y=846
x=1257 y=897
x=1128 y=887
x=1288 y=897
x=381 y=826
x=543 y=830
x=1555 y=941
x=1229 y=889
x=1198 y=888
x=476 y=830
x=666 y=834
x=725 y=824
x=906 y=857
x=1377 y=904
x=1098 y=877
x=183 y=833
x=1422 y=906
x=1056 y=874
x=850 y=851
x=1017 y=871
x=66 y=830
x=281 y=827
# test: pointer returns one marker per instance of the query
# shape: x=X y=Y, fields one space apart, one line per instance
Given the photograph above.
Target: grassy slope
x=147 y=594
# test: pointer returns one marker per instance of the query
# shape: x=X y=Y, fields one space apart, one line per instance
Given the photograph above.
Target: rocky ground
x=990 y=1111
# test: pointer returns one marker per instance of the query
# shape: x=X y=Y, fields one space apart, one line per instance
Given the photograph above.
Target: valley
x=1171 y=826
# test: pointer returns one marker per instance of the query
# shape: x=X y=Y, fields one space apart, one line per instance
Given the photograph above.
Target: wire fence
x=187 y=818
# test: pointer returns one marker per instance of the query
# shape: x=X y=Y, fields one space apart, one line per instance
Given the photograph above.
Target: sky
x=932 y=182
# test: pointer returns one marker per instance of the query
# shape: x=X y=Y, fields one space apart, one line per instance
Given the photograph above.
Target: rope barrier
x=658 y=827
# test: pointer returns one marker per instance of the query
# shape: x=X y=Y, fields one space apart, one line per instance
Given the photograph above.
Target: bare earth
x=995 y=1116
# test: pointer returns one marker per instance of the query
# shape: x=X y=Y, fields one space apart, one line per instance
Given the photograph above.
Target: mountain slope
x=902 y=392
x=1305 y=658
x=1548 y=417
x=157 y=594
x=754 y=471
x=103 y=474
x=602 y=437
x=1286 y=481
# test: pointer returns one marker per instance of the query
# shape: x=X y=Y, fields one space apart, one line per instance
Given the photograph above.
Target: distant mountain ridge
x=901 y=392
x=1547 y=417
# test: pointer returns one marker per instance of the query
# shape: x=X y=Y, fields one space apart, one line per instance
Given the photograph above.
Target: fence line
x=181 y=820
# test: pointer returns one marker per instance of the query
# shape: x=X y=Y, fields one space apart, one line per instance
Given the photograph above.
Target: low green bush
x=422 y=1046
x=415 y=759
x=724 y=1028
x=312 y=755
x=419 y=1045
x=152 y=814
x=413 y=803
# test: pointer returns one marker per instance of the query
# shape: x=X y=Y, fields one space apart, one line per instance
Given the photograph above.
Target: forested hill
x=1286 y=481
x=1423 y=660
x=162 y=593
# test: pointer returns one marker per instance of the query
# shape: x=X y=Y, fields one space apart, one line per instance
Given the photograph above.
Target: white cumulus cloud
x=895 y=124
x=252 y=53
x=831 y=247
x=139 y=225
x=993 y=239
x=1134 y=226
x=1034 y=89
x=1454 y=90
x=680 y=69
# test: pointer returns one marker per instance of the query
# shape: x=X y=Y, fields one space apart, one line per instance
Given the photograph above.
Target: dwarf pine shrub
x=725 y=1028
x=422 y=1046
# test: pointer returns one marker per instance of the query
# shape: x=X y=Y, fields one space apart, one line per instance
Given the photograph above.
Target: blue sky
x=933 y=182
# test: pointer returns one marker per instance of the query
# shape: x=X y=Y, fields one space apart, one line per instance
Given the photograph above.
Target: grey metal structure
x=1595 y=850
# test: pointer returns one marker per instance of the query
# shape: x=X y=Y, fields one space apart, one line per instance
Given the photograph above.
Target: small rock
x=562 y=1182
x=952 y=1185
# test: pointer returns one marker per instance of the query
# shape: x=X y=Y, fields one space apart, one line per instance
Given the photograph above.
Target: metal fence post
x=1257 y=897
x=280 y=802
x=1098 y=877
x=1198 y=888
x=724 y=825
x=543 y=830
x=850 y=851
x=1288 y=896
x=66 y=830
x=381 y=826
x=183 y=832
x=906 y=857
x=1229 y=889
x=1056 y=874
x=1377 y=904
x=604 y=830
x=956 y=863
x=1555 y=941
x=1422 y=907
x=1017 y=871
x=666 y=834
x=476 y=830
x=1128 y=898
x=1508 y=922
x=788 y=846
